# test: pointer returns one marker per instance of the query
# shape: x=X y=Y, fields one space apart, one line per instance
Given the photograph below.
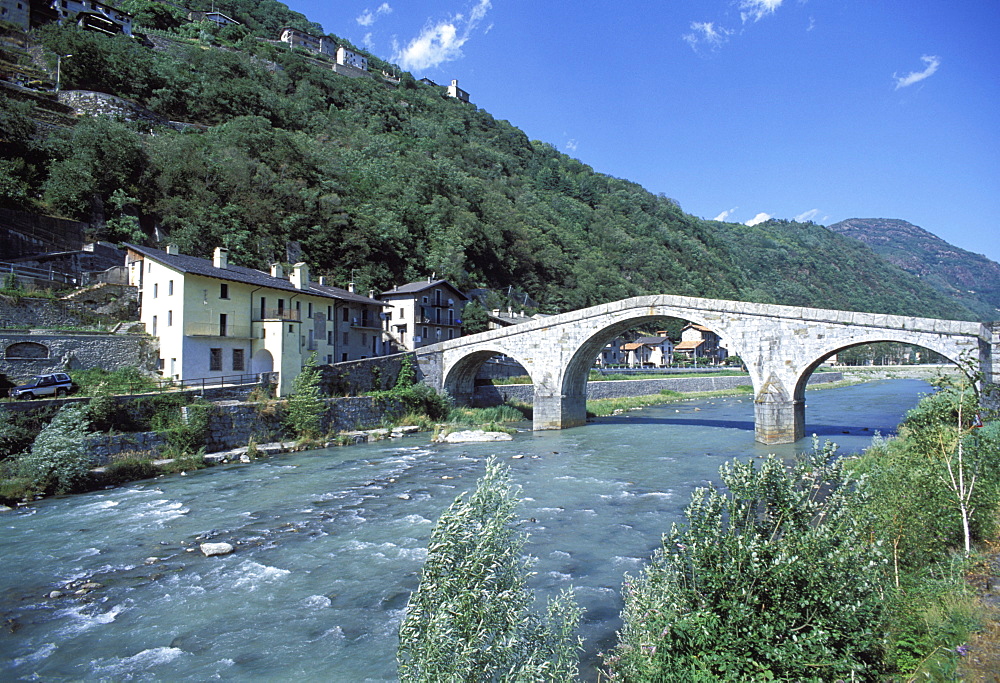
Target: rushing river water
x=330 y=542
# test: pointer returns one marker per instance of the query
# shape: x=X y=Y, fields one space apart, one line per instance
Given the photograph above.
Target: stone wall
x=93 y=103
x=524 y=393
x=232 y=425
x=359 y=376
x=23 y=354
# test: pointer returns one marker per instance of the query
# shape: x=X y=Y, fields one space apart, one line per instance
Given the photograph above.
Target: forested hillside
x=972 y=279
x=388 y=182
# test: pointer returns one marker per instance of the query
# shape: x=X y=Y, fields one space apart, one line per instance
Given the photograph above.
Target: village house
x=612 y=353
x=88 y=14
x=215 y=17
x=649 y=352
x=307 y=41
x=456 y=92
x=213 y=318
x=698 y=341
x=424 y=312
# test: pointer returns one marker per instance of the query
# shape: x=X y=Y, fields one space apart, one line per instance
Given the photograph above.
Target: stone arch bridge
x=781 y=346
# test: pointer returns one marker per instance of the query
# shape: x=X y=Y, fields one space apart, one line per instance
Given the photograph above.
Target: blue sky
x=739 y=109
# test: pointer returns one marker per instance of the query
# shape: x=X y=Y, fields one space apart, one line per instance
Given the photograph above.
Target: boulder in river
x=469 y=435
x=209 y=549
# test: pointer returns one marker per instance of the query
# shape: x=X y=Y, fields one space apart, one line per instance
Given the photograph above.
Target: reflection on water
x=329 y=543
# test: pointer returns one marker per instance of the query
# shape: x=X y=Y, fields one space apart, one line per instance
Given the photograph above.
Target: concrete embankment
x=524 y=393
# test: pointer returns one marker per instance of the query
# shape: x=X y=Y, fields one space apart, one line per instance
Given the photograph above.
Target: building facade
x=422 y=313
x=213 y=318
x=88 y=14
x=307 y=41
x=698 y=341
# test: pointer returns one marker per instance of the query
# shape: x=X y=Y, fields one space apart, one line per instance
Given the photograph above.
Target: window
x=170 y=288
x=223 y=324
x=170 y=318
x=346 y=313
x=223 y=291
x=343 y=357
x=160 y=364
x=263 y=308
x=310 y=314
x=215 y=360
x=238 y=356
x=291 y=328
x=347 y=339
x=329 y=337
x=156 y=289
x=329 y=359
x=154 y=325
x=329 y=312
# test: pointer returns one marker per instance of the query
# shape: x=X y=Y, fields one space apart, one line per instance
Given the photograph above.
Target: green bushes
x=771 y=579
x=471 y=619
x=304 y=410
x=98 y=381
x=416 y=398
x=58 y=461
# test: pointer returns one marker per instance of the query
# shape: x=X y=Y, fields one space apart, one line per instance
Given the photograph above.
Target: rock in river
x=474 y=435
x=210 y=549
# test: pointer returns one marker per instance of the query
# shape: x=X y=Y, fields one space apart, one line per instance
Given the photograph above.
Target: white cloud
x=807 y=216
x=758 y=9
x=368 y=42
x=572 y=144
x=725 y=214
x=368 y=17
x=441 y=42
x=759 y=218
x=932 y=62
x=706 y=32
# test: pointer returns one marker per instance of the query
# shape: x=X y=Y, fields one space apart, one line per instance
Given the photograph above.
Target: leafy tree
x=59 y=459
x=304 y=410
x=474 y=318
x=773 y=578
x=470 y=619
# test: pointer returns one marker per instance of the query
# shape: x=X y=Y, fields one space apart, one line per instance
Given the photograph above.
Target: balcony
x=367 y=323
x=286 y=314
x=196 y=329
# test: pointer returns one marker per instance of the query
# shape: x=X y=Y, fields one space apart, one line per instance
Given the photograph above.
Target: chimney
x=221 y=258
x=454 y=82
x=350 y=287
x=322 y=280
x=173 y=249
x=496 y=312
x=371 y=293
x=277 y=271
x=300 y=276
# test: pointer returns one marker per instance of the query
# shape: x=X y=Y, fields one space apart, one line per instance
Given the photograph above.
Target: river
x=330 y=542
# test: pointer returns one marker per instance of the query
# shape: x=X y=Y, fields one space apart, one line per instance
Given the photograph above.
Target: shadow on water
x=743 y=425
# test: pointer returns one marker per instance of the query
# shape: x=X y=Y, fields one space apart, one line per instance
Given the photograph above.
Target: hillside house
x=16 y=12
x=698 y=341
x=213 y=318
x=612 y=353
x=456 y=92
x=350 y=63
x=215 y=17
x=649 y=352
x=307 y=41
x=87 y=14
x=424 y=312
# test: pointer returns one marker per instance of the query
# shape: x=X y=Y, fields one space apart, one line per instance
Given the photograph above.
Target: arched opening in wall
x=468 y=382
x=26 y=351
x=262 y=361
x=648 y=345
x=879 y=359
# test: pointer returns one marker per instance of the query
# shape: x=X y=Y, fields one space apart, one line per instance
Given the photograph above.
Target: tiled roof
x=419 y=286
x=689 y=345
x=199 y=266
x=652 y=340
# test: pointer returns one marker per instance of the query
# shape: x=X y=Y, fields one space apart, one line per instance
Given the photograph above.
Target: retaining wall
x=488 y=395
x=232 y=425
x=23 y=354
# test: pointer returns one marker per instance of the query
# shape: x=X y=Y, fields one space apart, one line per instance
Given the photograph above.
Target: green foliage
x=18 y=429
x=129 y=469
x=59 y=460
x=304 y=410
x=470 y=619
x=98 y=381
x=474 y=318
x=773 y=578
x=486 y=416
x=185 y=428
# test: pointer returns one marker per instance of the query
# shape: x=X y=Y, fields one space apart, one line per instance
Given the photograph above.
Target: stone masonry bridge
x=780 y=345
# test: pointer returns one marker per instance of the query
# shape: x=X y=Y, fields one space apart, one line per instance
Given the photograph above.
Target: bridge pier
x=779 y=421
x=553 y=410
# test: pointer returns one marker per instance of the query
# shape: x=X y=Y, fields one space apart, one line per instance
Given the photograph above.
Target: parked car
x=56 y=384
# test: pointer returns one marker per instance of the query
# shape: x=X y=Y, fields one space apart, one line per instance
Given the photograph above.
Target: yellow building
x=215 y=319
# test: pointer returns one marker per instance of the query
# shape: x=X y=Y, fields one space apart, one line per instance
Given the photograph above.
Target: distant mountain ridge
x=972 y=279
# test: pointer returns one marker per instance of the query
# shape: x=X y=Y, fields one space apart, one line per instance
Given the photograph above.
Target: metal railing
x=289 y=314
x=49 y=273
x=221 y=381
x=198 y=329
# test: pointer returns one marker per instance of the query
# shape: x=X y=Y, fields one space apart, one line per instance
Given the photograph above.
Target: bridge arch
x=459 y=376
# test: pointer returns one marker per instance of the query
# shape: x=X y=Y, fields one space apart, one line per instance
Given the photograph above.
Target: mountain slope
x=972 y=279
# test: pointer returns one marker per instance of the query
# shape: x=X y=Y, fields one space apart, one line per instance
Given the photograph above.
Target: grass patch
x=603 y=407
x=98 y=381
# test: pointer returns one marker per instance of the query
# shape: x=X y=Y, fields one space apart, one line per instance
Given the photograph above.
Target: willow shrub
x=471 y=619
x=772 y=578
x=59 y=460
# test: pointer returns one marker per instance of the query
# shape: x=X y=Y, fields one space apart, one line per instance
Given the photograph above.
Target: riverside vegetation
x=829 y=569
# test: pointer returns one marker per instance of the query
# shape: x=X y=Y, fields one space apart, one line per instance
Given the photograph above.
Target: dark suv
x=56 y=384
